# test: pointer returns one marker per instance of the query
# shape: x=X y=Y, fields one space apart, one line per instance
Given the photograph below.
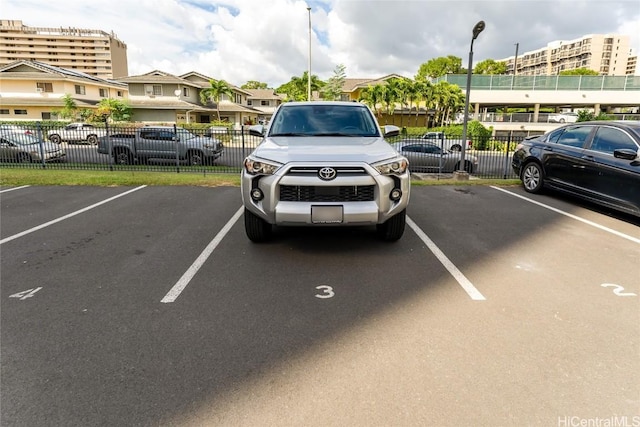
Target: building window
x=264 y=103
x=249 y=102
x=20 y=112
x=185 y=91
x=157 y=89
x=119 y=93
x=46 y=115
x=44 y=87
x=4 y=111
x=103 y=93
x=238 y=98
x=80 y=90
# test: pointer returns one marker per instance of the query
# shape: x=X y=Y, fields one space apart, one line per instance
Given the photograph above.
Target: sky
x=269 y=40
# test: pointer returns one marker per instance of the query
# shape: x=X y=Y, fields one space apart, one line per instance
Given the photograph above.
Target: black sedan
x=598 y=161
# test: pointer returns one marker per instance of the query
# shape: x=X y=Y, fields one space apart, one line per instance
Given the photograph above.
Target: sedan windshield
x=324 y=120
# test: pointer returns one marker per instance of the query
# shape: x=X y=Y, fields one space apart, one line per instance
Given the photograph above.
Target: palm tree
x=373 y=96
x=214 y=93
x=391 y=95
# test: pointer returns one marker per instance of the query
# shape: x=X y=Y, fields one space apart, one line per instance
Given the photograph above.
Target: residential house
x=264 y=100
x=161 y=97
x=33 y=90
x=352 y=88
x=235 y=109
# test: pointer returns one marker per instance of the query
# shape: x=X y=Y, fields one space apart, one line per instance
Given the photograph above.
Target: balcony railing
x=510 y=82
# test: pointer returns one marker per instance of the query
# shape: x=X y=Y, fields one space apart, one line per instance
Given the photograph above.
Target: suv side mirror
x=391 y=130
x=256 y=130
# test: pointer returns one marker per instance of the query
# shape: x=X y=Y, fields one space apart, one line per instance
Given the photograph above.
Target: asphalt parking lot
x=149 y=306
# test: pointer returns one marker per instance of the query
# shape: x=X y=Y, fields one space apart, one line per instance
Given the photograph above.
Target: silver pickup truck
x=160 y=142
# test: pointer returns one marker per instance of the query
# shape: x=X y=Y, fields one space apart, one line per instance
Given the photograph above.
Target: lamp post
x=309 y=63
x=479 y=27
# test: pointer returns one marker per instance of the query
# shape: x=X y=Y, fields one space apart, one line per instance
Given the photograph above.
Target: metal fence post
x=506 y=155
x=177 y=141
x=41 y=144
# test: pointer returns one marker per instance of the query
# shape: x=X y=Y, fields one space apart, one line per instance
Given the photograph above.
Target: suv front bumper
x=295 y=195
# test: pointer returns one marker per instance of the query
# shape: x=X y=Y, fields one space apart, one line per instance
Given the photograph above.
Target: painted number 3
x=618 y=290
x=327 y=291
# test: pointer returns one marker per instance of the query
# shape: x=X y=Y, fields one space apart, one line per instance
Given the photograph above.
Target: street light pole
x=309 y=64
x=479 y=27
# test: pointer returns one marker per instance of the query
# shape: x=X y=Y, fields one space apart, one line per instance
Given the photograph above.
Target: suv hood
x=324 y=149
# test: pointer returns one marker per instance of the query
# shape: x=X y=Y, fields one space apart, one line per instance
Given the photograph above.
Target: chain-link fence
x=203 y=150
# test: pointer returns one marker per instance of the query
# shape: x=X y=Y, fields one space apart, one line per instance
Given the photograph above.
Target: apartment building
x=93 y=52
x=606 y=54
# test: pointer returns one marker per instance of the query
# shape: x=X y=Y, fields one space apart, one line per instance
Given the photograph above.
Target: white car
x=569 y=117
x=77 y=132
x=324 y=164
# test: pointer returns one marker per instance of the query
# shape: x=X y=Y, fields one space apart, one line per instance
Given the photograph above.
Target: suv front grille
x=344 y=193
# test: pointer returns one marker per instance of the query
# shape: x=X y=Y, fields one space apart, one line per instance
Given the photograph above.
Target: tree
x=438 y=67
x=254 y=84
x=70 y=109
x=332 y=91
x=373 y=96
x=296 y=89
x=578 y=72
x=114 y=109
x=489 y=66
x=214 y=93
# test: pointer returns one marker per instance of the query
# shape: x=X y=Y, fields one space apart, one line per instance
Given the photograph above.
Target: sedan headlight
x=397 y=166
x=260 y=167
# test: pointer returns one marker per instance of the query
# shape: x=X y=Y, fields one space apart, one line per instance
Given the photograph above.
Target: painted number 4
x=25 y=294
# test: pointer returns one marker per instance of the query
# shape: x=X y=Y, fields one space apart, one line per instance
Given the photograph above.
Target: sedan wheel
x=532 y=177
x=24 y=158
x=92 y=139
x=55 y=139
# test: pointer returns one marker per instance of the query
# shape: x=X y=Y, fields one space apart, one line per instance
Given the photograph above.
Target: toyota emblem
x=327 y=174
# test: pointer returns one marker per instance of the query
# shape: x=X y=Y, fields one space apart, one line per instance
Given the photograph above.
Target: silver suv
x=324 y=164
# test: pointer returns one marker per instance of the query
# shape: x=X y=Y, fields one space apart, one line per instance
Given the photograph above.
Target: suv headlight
x=397 y=166
x=260 y=167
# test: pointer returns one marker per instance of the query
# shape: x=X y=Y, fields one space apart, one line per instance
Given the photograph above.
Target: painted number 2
x=618 y=290
x=25 y=294
x=327 y=291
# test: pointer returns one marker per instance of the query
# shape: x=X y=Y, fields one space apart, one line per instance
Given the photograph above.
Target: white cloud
x=268 y=40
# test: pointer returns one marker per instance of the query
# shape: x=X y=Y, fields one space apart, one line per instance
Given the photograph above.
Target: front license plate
x=326 y=214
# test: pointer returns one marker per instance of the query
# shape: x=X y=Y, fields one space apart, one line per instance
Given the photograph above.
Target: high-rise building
x=93 y=52
x=606 y=54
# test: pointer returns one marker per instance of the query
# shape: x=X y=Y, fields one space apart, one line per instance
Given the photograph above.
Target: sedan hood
x=48 y=147
x=324 y=149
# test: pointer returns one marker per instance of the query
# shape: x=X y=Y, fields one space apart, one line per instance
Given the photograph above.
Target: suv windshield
x=324 y=120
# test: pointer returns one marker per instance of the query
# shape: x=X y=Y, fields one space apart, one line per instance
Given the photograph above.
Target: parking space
x=149 y=306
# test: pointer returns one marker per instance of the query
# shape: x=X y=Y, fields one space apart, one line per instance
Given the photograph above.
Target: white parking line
x=62 y=218
x=15 y=188
x=457 y=274
x=182 y=283
x=577 y=218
